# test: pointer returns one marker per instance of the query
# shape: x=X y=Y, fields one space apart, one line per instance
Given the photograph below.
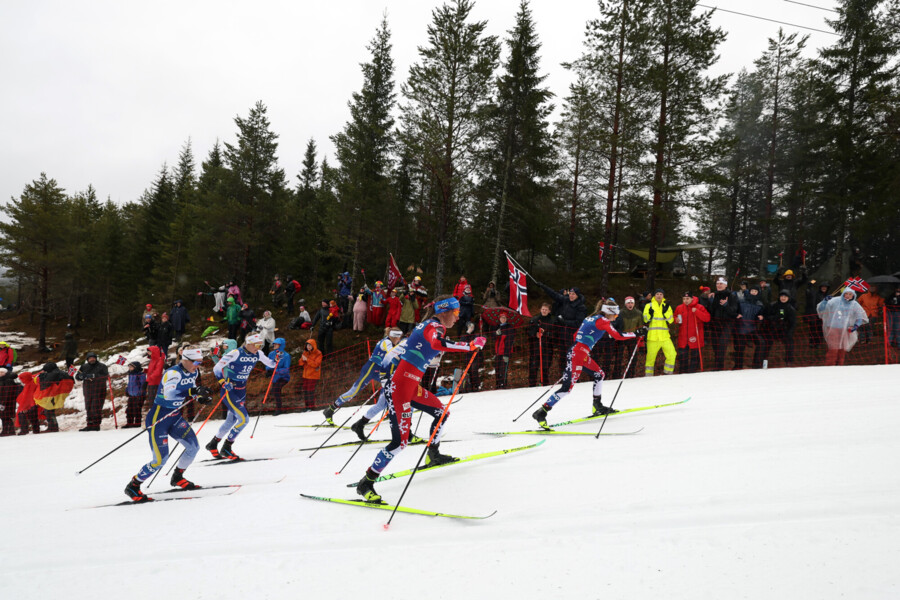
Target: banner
x=602 y=248
x=518 y=288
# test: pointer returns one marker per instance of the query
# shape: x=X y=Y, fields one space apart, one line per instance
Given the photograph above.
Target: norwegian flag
x=394 y=278
x=72 y=370
x=857 y=284
x=121 y=360
x=518 y=288
x=602 y=248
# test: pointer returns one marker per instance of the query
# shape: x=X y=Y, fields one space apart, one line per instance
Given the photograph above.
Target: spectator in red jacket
x=154 y=371
x=460 y=288
x=690 y=316
x=504 y=337
x=7 y=355
x=393 y=311
x=27 y=409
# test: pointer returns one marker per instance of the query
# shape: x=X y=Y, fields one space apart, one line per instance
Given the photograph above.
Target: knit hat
x=703 y=288
x=629 y=299
x=784 y=293
x=659 y=291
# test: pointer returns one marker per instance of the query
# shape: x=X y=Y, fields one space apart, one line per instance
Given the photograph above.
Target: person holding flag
x=841 y=317
x=404 y=391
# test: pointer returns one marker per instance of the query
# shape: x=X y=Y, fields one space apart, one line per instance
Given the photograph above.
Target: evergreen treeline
x=460 y=161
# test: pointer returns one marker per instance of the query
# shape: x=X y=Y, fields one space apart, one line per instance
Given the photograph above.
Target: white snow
x=767 y=484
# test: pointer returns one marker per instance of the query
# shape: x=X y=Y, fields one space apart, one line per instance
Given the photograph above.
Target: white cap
x=192 y=354
x=254 y=338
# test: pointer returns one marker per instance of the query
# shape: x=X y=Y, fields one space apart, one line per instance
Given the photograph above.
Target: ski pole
x=363 y=442
x=266 y=397
x=112 y=398
x=536 y=401
x=341 y=426
x=134 y=437
x=699 y=347
x=434 y=432
x=636 y=346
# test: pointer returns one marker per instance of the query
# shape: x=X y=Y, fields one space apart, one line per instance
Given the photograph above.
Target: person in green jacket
x=631 y=319
x=233 y=317
x=407 y=313
x=658 y=315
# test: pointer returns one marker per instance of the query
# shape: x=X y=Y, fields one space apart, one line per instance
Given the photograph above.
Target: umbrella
x=884 y=279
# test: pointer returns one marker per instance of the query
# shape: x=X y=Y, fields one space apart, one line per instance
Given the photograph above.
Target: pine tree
x=686 y=99
x=34 y=239
x=363 y=151
x=520 y=152
x=443 y=118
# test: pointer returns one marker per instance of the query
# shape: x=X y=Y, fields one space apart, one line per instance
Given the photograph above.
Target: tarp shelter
x=825 y=272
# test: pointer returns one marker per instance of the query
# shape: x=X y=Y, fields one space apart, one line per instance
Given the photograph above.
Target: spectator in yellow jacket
x=657 y=316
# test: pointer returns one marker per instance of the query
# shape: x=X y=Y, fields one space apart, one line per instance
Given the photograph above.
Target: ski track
x=767 y=484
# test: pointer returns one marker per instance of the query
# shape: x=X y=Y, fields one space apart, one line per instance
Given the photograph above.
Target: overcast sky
x=105 y=92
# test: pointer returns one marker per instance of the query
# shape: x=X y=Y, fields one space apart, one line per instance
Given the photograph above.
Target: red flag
x=121 y=360
x=394 y=278
x=602 y=248
x=518 y=288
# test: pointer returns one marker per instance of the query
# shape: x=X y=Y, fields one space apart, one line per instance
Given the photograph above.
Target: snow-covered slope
x=767 y=484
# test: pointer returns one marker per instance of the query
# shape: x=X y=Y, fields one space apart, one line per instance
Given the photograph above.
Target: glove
x=477 y=343
x=203 y=394
x=226 y=384
x=853 y=328
x=640 y=332
x=540 y=333
x=499 y=332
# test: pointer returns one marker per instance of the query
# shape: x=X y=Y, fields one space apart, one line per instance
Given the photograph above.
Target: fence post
x=884 y=327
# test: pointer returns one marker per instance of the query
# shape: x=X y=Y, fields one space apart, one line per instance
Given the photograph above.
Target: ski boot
x=179 y=481
x=227 y=452
x=540 y=415
x=599 y=409
x=213 y=447
x=435 y=458
x=328 y=413
x=133 y=491
x=365 y=488
x=358 y=428
x=414 y=439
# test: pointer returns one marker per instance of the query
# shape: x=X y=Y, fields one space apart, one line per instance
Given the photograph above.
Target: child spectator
x=27 y=409
x=136 y=391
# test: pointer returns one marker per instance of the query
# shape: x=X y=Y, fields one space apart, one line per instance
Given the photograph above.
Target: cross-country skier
x=164 y=420
x=404 y=393
x=232 y=371
x=579 y=357
x=371 y=371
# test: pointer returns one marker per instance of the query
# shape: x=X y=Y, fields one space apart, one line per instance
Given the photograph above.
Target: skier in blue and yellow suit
x=371 y=371
x=658 y=315
x=178 y=387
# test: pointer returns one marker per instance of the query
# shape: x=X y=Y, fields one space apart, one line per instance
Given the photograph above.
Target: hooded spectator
x=27 y=410
x=165 y=334
x=311 y=361
x=233 y=318
x=491 y=296
x=9 y=391
x=154 y=371
x=658 y=316
x=282 y=374
x=460 y=288
x=291 y=287
x=136 y=391
x=179 y=318
x=841 y=317
x=360 y=311
x=266 y=328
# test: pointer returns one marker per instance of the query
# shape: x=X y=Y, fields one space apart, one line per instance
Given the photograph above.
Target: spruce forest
x=463 y=159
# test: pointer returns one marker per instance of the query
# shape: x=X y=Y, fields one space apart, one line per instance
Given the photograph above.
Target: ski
x=464 y=459
x=231 y=489
x=217 y=462
x=557 y=432
x=386 y=506
x=357 y=442
x=327 y=426
x=217 y=487
x=620 y=412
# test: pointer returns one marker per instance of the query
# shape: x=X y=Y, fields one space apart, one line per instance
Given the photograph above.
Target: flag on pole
x=72 y=370
x=394 y=278
x=121 y=360
x=857 y=284
x=602 y=248
x=518 y=288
